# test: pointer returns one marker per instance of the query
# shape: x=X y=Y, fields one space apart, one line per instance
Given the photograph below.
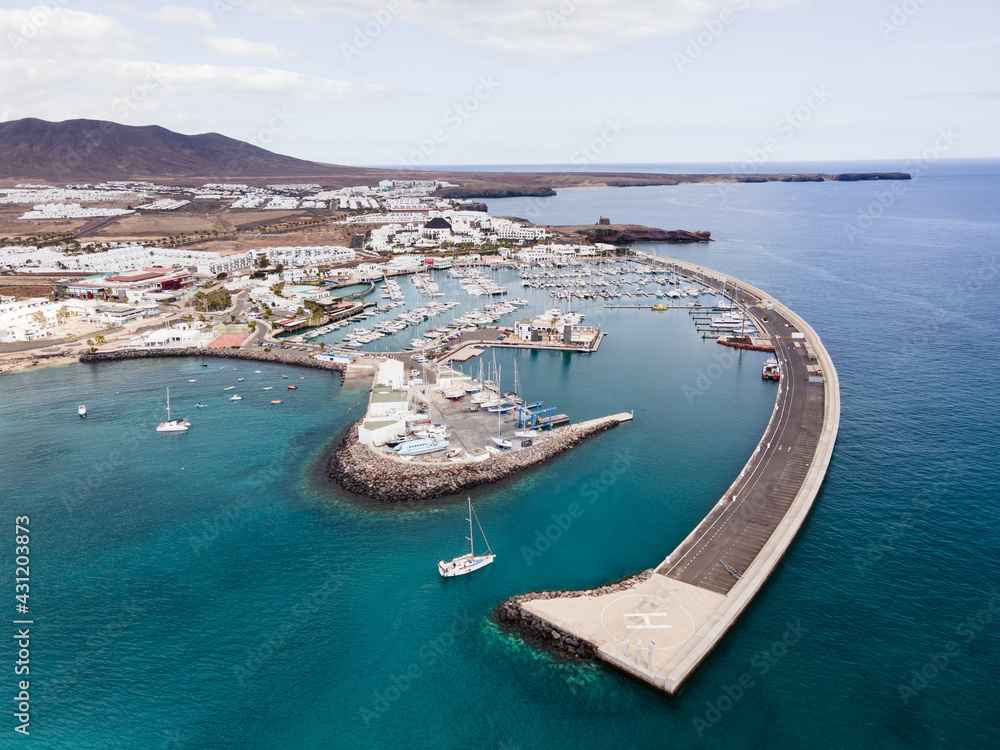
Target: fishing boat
x=172 y=425
x=771 y=370
x=237 y=397
x=276 y=401
x=468 y=562
x=82 y=411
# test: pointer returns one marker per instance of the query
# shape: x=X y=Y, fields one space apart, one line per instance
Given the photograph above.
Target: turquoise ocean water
x=211 y=589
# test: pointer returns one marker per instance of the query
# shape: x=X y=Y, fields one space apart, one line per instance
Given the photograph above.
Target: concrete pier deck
x=662 y=628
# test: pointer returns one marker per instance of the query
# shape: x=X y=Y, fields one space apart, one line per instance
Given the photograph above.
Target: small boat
x=82 y=411
x=469 y=562
x=229 y=387
x=236 y=397
x=276 y=401
x=203 y=364
x=293 y=387
x=284 y=376
x=421 y=446
x=502 y=442
x=269 y=387
x=202 y=406
x=192 y=380
x=238 y=380
x=172 y=425
x=771 y=370
x=257 y=371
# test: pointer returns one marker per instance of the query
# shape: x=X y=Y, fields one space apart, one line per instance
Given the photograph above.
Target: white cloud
x=181 y=16
x=54 y=31
x=234 y=47
x=546 y=30
x=117 y=89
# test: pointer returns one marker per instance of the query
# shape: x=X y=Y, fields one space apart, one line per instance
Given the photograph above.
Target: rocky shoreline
x=538 y=632
x=251 y=354
x=365 y=471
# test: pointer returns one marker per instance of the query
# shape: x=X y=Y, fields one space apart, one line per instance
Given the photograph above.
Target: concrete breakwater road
x=661 y=628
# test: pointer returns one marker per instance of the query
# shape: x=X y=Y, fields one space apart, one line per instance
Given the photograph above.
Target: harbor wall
x=275 y=355
x=371 y=472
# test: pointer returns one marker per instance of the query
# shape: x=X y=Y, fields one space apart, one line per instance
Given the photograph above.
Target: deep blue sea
x=212 y=589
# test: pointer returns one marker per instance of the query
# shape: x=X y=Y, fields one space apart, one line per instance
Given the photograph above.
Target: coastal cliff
x=624 y=234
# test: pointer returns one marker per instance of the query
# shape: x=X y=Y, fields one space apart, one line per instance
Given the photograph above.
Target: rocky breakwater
x=276 y=355
x=369 y=471
x=533 y=629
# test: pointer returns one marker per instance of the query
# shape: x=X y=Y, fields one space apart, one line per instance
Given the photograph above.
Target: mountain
x=97 y=150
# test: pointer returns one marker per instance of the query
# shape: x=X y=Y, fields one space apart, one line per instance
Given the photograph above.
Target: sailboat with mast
x=471 y=561
x=172 y=425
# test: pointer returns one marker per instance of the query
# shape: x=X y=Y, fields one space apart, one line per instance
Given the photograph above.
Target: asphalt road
x=735 y=531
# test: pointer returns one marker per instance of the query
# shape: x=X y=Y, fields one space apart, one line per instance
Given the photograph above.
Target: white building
x=391 y=373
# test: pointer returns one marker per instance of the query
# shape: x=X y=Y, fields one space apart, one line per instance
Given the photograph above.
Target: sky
x=416 y=83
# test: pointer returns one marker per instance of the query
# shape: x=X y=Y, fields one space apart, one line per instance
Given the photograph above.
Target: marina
x=889 y=528
x=685 y=605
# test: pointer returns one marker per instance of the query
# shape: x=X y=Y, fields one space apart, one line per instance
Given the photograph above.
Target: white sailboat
x=469 y=562
x=500 y=441
x=172 y=425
